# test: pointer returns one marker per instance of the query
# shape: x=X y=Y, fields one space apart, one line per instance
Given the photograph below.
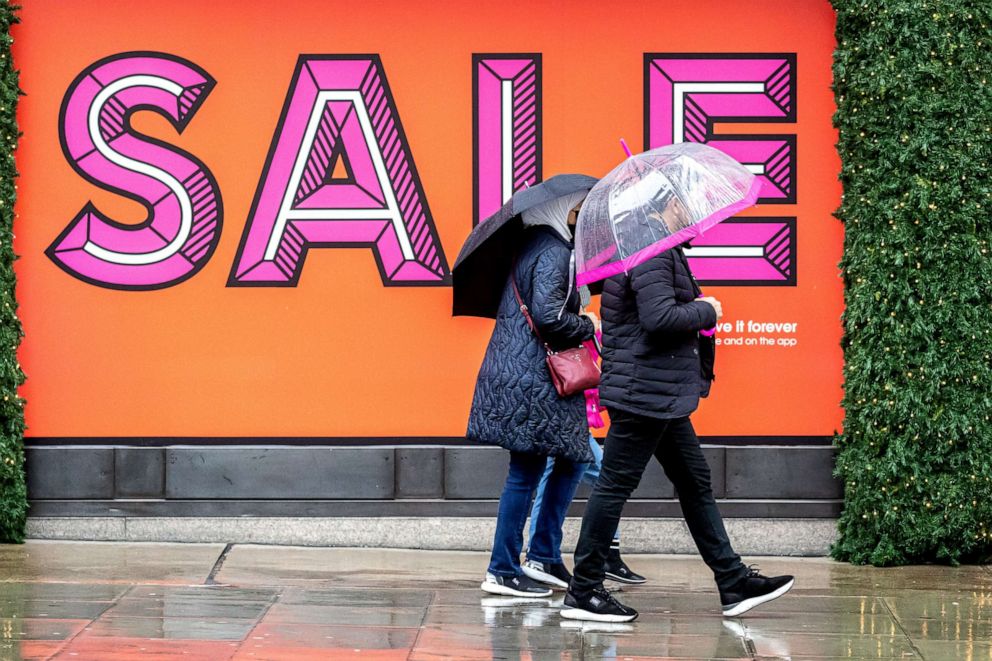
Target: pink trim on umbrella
x=680 y=237
x=602 y=257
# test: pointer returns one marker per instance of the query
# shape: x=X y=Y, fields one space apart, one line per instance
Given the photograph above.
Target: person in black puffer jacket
x=517 y=407
x=651 y=352
x=652 y=381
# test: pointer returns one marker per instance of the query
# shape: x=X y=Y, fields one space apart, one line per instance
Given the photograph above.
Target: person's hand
x=717 y=306
x=596 y=323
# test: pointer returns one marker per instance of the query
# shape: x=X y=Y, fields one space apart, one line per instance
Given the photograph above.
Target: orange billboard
x=237 y=219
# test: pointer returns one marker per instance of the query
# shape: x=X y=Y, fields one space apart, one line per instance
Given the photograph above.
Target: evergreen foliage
x=914 y=111
x=13 y=492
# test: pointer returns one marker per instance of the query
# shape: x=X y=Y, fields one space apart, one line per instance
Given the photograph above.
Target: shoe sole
x=496 y=588
x=543 y=577
x=744 y=606
x=580 y=614
x=628 y=581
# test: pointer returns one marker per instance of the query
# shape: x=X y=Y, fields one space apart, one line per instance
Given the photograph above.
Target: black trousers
x=632 y=440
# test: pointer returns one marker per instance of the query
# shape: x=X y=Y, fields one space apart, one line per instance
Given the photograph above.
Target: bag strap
x=523 y=308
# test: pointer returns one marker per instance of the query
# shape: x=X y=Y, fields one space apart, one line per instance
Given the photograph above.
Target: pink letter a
x=339 y=174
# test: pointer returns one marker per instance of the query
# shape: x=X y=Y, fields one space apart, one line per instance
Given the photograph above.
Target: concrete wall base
x=765 y=536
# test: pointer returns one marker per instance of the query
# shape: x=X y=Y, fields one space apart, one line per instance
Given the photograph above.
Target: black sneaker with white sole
x=554 y=575
x=617 y=570
x=753 y=590
x=596 y=606
x=514 y=586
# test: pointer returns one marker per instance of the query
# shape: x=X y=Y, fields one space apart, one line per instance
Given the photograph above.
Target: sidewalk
x=107 y=601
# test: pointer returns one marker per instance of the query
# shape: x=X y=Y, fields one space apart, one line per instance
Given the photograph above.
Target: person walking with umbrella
x=657 y=362
x=526 y=249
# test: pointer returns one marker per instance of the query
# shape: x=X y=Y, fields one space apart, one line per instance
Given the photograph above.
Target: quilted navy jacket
x=651 y=350
x=516 y=405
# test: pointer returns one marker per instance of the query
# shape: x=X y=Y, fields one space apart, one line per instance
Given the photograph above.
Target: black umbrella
x=480 y=272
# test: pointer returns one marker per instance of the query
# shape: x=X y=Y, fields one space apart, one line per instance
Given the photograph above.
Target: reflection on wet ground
x=109 y=601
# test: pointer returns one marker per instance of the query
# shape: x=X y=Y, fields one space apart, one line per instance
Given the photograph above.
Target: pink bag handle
x=593 y=416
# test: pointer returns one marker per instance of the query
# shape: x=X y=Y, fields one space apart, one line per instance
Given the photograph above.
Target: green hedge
x=913 y=82
x=13 y=493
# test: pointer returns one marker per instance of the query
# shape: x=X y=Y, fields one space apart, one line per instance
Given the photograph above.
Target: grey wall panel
x=475 y=472
x=717 y=460
x=776 y=472
x=419 y=472
x=139 y=472
x=279 y=473
x=654 y=484
x=74 y=472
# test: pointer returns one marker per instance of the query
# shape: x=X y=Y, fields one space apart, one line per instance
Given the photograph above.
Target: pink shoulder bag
x=572 y=370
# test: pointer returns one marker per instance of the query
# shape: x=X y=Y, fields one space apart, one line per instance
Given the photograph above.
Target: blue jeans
x=514 y=504
x=587 y=473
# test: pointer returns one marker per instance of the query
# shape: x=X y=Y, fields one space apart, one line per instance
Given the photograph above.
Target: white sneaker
x=513 y=586
x=554 y=575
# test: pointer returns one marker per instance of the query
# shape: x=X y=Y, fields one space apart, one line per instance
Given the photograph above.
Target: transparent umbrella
x=655 y=201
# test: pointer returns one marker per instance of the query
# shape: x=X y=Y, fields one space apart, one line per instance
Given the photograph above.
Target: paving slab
x=353 y=615
x=378 y=597
x=97 y=648
x=329 y=567
x=312 y=641
x=666 y=646
x=107 y=562
x=181 y=628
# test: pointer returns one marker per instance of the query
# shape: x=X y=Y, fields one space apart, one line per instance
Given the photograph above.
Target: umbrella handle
x=708 y=332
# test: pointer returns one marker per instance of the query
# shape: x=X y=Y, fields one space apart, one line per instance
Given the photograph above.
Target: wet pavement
x=108 y=601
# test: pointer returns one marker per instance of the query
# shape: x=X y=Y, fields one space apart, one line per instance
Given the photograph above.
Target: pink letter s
x=183 y=201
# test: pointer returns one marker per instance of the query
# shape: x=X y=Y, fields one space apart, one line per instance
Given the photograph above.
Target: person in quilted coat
x=516 y=406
